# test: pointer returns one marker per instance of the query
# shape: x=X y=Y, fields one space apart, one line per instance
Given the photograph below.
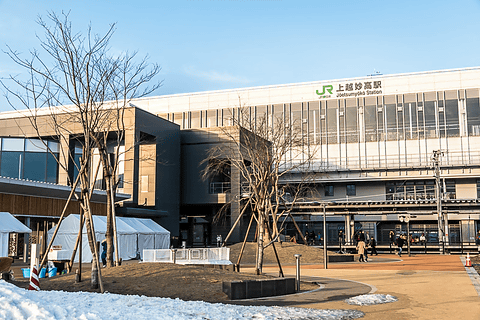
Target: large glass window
x=351 y=130
x=473 y=116
x=35 y=166
x=13 y=144
x=35 y=145
x=390 y=114
x=52 y=168
x=370 y=120
x=11 y=164
x=313 y=122
x=451 y=114
x=430 y=120
x=195 y=119
x=332 y=129
x=27 y=159
x=418 y=190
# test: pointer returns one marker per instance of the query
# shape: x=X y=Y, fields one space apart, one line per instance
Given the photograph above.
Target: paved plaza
x=427 y=287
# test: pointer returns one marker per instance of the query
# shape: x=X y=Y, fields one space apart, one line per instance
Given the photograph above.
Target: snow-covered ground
x=17 y=303
x=371 y=299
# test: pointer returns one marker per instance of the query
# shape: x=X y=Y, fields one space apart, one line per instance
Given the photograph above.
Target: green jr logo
x=327 y=88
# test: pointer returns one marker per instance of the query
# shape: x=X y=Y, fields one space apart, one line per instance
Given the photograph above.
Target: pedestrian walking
x=400 y=242
x=341 y=238
x=391 y=236
x=361 y=251
x=373 y=246
x=363 y=237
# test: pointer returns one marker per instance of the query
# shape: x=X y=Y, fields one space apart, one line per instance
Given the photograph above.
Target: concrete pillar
x=447 y=233
x=235 y=208
x=348 y=234
x=26 y=240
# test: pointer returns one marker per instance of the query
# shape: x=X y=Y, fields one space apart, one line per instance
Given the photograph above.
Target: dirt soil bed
x=476 y=262
x=169 y=280
x=285 y=251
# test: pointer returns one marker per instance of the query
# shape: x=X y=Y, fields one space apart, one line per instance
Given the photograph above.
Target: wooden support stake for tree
x=80 y=232
x=114 y=220
x=79 y=237
x=280 y=271
x=244 y=241
x=60 y=220
x=298 y=229
x=235 y=224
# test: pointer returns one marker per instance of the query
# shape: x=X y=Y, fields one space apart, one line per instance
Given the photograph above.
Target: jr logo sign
x=327 y=88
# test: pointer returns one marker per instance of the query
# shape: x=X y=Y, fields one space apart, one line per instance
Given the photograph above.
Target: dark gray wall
x=167 y=183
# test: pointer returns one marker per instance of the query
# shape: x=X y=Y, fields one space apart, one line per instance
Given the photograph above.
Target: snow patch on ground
x=371 y=299
x=18 y=303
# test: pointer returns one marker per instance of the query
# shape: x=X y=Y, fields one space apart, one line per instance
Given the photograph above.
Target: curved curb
x=331 y=289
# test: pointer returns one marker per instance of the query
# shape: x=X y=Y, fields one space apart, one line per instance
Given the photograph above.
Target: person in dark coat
x=104 y=252
x=400 y=243
x=391 y=236
x=341 y=238
x=373 y=245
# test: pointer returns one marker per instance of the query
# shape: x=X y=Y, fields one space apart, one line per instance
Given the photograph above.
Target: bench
x=249 y=289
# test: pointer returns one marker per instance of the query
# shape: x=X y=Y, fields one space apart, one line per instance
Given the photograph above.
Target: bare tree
x=78 y=91
x=265 y=152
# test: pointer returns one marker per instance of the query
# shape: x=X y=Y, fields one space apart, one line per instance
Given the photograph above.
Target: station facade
x=388 y=148
x=378 y=141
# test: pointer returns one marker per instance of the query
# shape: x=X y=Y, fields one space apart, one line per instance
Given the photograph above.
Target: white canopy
x=150 y=234
x=134 y=235
x=8 y=224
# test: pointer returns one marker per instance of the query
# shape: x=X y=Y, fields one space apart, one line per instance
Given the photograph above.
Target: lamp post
x=325 y=258
x=406 y=218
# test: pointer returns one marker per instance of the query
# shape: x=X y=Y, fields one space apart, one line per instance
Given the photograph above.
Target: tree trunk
x=261 y=232
x=94 y=274
x=88 y=224
x=109 y=234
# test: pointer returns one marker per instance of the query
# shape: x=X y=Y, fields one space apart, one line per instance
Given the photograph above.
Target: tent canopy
x=134 y=235
x=8 y=224
x=11 y=224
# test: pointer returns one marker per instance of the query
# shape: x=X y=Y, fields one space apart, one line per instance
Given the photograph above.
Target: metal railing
x=219 y=187
x=188 y=256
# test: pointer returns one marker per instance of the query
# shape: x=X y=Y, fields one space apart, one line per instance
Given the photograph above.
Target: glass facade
x=418 y=190
x=402 y=121
x=29 y=159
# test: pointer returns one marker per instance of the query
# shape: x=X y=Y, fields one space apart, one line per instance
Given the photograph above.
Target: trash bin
x=26 y=272
x=52 y=272
x=43 y=273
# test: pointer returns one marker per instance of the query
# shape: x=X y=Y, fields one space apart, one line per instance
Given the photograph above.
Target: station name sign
x=350 y=89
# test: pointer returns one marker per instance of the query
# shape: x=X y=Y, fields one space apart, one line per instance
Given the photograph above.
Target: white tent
x=130 y=233
x=8 y=224
x=151 y=235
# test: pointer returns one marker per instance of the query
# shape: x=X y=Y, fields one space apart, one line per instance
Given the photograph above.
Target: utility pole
x=438 y=186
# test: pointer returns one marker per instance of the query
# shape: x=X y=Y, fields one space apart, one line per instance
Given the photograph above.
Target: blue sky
x=222 y=44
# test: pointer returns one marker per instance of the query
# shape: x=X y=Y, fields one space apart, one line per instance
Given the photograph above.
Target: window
x=329 y=191
x=351 y=190
x=478 y=189
x=144 y=184
x=29 y=159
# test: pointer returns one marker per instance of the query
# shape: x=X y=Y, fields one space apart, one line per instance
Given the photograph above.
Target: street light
x=406 y=218
x=325 y=257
